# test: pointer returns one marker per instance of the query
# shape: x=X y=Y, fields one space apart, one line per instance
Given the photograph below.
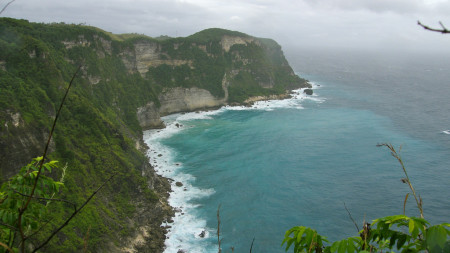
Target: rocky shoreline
x=152 y=239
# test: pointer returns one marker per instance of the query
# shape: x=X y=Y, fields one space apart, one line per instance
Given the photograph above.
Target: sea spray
x=188 y=231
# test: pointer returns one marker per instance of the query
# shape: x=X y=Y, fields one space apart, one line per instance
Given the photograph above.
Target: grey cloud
x=302 y=23
x=398 y=6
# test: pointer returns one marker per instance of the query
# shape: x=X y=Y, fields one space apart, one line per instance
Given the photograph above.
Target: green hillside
x=98 y=132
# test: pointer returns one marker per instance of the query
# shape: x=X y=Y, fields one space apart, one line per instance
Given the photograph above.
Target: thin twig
x=86 y=239
x=395 y=154
x=6 y=6
x=443 y=30
x=312 y=243
x=251 y=247
x=48 y=199
x=350 y=215
x=74 y=214
x=38 y=230
x=404 y=203
x=218 y=227
x=6 y=247
x=9 y=226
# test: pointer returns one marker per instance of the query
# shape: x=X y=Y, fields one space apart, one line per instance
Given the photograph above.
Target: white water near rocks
x=295 y=162
x=185 y=232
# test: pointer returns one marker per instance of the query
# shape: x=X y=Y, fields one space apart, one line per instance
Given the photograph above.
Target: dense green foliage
x=14 y=196
x=214 y=34
x=398 y=232
x=98 y=128
x=98 y=131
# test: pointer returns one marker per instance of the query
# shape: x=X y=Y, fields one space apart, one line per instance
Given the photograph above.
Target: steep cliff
x=127 y=82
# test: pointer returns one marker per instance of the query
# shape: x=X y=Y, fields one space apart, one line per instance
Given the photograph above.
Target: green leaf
x=335 y=246
x=309 y=237
x=401 y=241
x=342 y=247
x=411 y=226
x=350 y=246
x=436 y=236
x=300 y=234
x=46 y=166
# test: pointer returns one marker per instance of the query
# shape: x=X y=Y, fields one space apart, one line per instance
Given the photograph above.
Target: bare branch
x=48 y=199
x=6 y=247
x=443 y=30
x=218 y=228
x=350 y=215
x=73 y=215
x=8 y=226
x=404 y=203
x=6 y=6
x=251 y=247
x=397 y=156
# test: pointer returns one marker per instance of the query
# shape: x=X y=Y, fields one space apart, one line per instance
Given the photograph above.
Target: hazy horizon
x=342 y=24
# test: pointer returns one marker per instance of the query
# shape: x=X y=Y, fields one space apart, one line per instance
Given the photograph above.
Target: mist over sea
x=296 y=162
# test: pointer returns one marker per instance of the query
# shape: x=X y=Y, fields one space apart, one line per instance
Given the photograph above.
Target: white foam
x=184 y=232
x=446 y=131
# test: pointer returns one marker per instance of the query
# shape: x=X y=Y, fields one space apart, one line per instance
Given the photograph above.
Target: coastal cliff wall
x=126 y=83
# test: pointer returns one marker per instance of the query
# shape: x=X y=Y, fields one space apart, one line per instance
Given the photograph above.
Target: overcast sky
x=371 y=24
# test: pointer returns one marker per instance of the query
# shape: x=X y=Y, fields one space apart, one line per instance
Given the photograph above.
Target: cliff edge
x=126 y=83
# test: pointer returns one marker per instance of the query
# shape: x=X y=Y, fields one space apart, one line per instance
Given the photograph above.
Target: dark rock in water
x=177 y=125
x=308 y=91
x=179 y=184
x=202 y=234
x=159 y=155
x=181 y=251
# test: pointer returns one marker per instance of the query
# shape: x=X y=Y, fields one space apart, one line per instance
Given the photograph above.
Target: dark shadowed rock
x=308 y=91
x=179 y=184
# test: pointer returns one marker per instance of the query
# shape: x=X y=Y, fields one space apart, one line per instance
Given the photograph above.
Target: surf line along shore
x=186 y=230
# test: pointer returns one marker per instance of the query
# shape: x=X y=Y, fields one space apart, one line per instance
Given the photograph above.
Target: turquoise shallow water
x=296 y=162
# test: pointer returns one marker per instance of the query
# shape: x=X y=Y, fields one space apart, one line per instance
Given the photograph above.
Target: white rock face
x=180 y=100
x=187 y=99
x=228 y=41
x=149 y=117
x=145 y=53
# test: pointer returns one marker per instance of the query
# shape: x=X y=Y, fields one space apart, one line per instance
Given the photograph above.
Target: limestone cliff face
x=228 y=41
x=149 y=116
x=176 y=100
x=179 y=100
x=126 y=83
x=186 y=100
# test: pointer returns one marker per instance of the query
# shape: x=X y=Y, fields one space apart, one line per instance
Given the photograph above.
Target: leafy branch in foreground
x=398 y=232
x=25 y=201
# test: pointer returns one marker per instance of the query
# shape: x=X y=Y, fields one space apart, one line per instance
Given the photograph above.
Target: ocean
x=303 y=161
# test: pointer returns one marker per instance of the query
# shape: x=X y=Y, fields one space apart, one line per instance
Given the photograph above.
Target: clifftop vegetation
x=99 y=133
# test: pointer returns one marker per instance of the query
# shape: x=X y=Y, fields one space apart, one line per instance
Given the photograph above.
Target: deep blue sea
x=296 y=162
